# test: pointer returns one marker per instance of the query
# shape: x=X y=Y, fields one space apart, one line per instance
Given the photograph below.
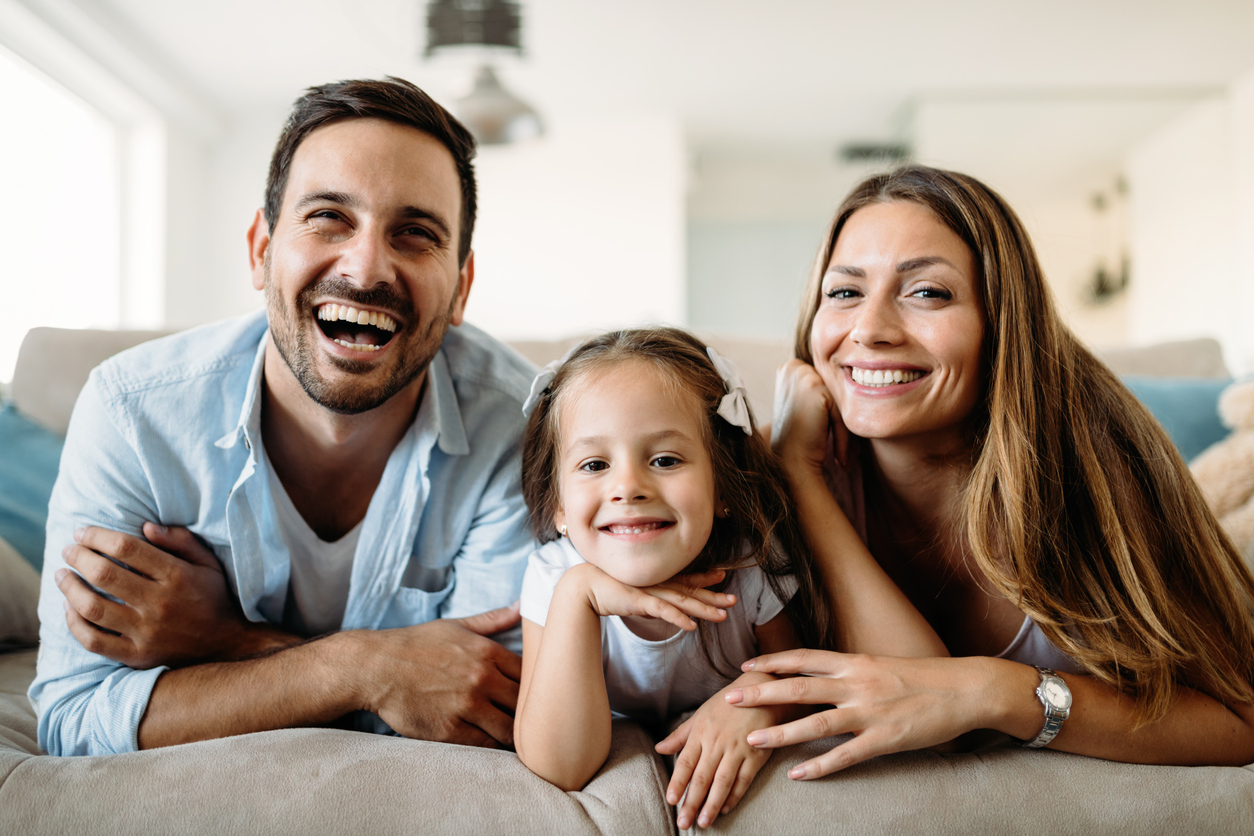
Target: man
x=350 y=459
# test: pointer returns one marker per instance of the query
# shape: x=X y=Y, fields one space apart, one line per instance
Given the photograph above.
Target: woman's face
x=898 y=333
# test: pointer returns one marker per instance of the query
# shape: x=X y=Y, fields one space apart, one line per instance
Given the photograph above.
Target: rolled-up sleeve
x=87 y=704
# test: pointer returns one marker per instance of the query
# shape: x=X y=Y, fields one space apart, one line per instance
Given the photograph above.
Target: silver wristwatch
x=1056 y=697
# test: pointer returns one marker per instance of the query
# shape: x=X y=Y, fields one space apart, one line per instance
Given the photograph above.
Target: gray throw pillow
x=19 y=599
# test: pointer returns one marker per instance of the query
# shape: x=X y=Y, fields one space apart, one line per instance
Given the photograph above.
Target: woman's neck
x=924 y=480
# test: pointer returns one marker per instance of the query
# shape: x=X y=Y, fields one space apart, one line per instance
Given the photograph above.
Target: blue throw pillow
x=1187 y=407
x=28 y=467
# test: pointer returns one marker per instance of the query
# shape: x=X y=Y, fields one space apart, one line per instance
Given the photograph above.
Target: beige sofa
x=330 y=781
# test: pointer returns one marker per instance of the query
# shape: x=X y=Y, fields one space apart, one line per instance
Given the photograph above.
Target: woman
x=984 y=496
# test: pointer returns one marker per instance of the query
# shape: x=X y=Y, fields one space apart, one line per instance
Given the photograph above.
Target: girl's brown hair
x=761 y=529
x=1078 y=508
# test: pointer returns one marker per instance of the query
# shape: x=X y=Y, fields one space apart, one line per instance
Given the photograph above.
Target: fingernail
x=61 y=573
x=747 y=666
x=78 y=534
x=704 y=820
x=797 y=773
x=65 y=605
x=725 y=810
x=731 y=598
x=65 y=552
x=756 y=738
x=161 y=529
x=722 y=612
x=734 y=696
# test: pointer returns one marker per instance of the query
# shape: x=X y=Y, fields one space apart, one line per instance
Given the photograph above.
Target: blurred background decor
x=691 y=150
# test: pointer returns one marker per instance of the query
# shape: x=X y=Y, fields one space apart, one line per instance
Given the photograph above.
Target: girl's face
x=898 y=333
x=636 y=482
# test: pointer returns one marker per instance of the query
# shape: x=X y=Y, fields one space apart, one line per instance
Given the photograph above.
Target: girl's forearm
x=1197 y=730
x=872 y=614
x=562 y=729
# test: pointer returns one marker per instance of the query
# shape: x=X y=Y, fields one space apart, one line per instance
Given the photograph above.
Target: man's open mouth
x=359 y=330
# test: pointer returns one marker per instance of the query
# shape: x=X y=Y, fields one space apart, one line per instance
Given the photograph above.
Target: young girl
x=646 y=485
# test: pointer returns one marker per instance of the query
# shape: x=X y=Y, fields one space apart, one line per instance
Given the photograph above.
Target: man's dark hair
x=392 y=99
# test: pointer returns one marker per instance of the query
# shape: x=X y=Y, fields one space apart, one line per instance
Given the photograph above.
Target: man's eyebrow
x=345 y=199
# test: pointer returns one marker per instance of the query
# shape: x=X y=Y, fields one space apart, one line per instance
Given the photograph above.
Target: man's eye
x=666 y=461
x=418 y=232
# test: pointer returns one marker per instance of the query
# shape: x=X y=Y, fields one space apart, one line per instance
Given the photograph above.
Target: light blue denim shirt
x=169 y=432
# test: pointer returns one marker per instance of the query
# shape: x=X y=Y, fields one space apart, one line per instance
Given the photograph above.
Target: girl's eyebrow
x=653 y=438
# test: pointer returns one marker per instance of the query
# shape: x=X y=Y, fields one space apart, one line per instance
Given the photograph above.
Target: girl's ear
x=559 y=518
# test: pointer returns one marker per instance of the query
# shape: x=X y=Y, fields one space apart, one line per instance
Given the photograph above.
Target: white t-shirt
x=652 y=681
x=317 y=591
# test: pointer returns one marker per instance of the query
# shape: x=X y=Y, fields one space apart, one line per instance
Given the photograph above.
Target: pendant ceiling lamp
x=490 y=111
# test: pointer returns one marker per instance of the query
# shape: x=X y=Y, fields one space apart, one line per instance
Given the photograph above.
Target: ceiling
x=736 y=73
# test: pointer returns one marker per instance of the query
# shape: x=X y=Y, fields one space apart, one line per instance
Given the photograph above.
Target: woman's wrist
x=1009 y=692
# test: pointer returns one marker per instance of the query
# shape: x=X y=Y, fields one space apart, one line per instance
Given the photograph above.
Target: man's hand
x=444 y=680
x=176 y=606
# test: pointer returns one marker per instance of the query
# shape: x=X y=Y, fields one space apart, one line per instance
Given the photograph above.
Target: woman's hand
x=804 y=412
x=890 y=704
x=716 y=764
x=677 y=601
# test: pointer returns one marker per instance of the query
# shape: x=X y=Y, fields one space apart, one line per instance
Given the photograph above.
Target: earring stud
x=561 y=529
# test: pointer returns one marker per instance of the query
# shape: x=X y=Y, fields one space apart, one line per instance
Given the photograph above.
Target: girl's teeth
x=883 y=377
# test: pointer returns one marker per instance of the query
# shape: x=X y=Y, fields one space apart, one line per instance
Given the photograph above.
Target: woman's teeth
x=883 y=377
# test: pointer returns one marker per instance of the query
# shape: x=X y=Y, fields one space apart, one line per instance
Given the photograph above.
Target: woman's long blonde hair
x=1079 y=507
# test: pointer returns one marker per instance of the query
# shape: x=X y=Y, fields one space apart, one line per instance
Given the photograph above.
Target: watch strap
x=1054 y=715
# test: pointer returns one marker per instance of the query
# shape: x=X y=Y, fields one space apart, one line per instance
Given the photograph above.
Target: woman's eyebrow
x=923 y=261
x=845 y=270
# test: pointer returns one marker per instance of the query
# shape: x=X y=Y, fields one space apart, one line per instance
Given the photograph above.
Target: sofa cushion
x=28 y=469
x=19 y=600
x=1187 y=407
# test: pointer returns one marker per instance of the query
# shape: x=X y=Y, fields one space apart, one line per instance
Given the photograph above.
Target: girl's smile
x=637 y=485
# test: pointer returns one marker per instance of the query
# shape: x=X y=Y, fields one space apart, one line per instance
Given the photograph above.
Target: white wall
x=582 y=229
x=1191 y=207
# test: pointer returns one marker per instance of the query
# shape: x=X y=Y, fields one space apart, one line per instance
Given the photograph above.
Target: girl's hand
x=890 y=704
x=716 y=764
x=804 y=412
x=677 y=601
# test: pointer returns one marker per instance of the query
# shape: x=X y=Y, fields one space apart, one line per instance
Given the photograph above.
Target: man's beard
x=295 y=343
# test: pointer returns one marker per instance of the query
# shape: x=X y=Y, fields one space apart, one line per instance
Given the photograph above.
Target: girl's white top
x=652 y=681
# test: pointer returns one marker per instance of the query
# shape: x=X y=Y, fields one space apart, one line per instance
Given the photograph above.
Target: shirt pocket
x=411 y=605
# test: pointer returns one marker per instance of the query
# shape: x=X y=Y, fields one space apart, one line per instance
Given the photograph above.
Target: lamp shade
x=493 y=114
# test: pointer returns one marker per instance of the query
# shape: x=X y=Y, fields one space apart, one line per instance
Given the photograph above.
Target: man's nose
x=878 y=321
x=367 y=259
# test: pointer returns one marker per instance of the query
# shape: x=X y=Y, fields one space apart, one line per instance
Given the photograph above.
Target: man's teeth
x=359 y=346
x=883 y=377
x=633 y=529
x=332 y=312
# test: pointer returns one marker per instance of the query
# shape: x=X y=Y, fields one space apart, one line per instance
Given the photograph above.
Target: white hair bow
x=735 y=404
x=544 y=379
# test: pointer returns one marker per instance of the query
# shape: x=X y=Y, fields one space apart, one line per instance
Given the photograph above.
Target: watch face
x=1057 y=694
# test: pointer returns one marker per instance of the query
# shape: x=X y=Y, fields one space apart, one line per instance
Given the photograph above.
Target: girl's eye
x=932 y=293
x=593 y=466
x=666 y=461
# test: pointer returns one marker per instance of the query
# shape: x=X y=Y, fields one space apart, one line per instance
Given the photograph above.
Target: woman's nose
x=878 y=321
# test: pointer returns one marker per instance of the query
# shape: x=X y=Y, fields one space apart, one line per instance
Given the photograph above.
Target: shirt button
x=248 y=445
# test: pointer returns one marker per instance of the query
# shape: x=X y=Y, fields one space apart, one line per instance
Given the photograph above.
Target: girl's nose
x=631 y=486
x=878 y=321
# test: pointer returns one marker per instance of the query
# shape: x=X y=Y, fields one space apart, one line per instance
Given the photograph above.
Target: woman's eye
x=666 y=461
x=932 y=293
x=841 y=293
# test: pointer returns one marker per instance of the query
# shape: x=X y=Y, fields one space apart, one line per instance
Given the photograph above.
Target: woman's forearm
x=562 y=729
x=872 y=614
x=1197 y=731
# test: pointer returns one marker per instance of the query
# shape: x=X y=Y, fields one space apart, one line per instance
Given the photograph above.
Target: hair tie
x=734 y=407
x=544 y=379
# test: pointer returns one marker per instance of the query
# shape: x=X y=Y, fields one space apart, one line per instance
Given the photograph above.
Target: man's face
x=360 y=274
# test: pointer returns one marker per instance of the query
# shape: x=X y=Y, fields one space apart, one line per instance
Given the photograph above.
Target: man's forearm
x=308 y=684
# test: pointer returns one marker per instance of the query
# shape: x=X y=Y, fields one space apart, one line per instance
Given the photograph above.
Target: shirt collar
x=450 y=429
